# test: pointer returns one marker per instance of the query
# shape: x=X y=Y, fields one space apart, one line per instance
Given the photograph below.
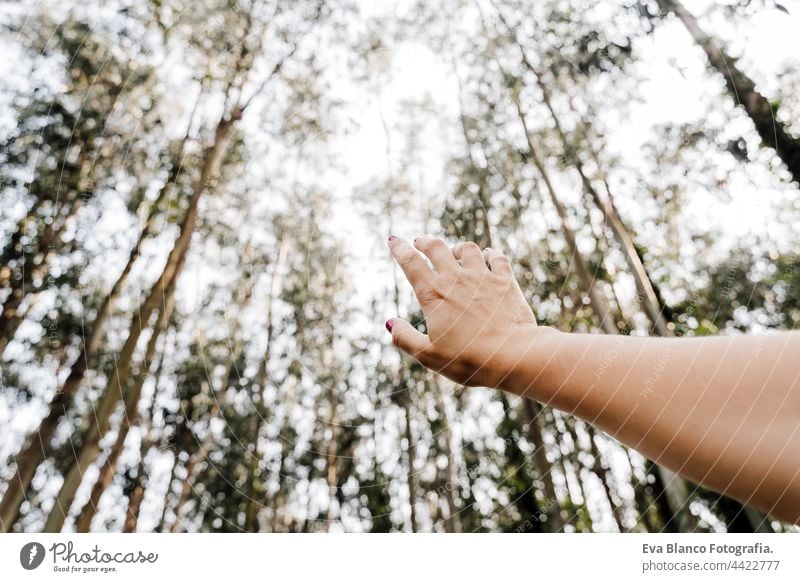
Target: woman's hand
x=722 y=411
x=479 y=325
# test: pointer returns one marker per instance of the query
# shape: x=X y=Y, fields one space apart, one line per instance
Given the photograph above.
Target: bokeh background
x=195 y=200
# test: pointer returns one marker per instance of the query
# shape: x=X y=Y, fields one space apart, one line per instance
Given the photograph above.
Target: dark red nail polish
x=389 y=325
x=392 y=237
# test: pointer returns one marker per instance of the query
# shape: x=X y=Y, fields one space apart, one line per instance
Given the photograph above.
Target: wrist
x=530 y=366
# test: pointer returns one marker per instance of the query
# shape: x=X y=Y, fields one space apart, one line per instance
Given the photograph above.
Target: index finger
x=414 y=267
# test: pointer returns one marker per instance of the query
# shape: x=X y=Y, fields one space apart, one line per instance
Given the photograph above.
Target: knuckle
x=428 y=294
x=430 y=360
x=430 y=243
x=407 y=259
x=396 y=339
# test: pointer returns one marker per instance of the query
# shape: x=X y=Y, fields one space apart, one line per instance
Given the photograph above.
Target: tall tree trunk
x=90 y=446
x=674 y=485
x=130 y=417
x=411 y=455
x=533 y=415
x=331 y=462
x=188 y=482
x=774 y=133
x=452 y=521
x=605 y=475
x=740 y=518
x=647 y=293
x=256 y=486
x=136 y=494
x=196 y=460
x=621 y=232
x=484 y=202
x=597 y=299
x=38 y=442
x=134 y=502
x=133 y=516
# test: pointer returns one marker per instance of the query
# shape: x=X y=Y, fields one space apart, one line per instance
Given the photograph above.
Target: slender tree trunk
x=131 y=416
x=188 y=482
x=196 y=460
x=256 y=486
x=484 y=203
x=90 y=446
x=452 y=521
x=136 y=495
x=644 y=287
x=621 y=232
x=30 y=266
x=533 y=414
x=598 y=301
x=647 y=293
x=134 y=504
x=671 y=495
x=331 y=462
x=605 y=476
x=130 y=523
x=411 y=454
x=275 y=522
x=406 y=403
x=774 y=133
x=38 y=443
x=571 y=463
x=674 y=485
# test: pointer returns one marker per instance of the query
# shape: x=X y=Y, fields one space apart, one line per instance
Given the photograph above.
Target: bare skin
x=722 y=411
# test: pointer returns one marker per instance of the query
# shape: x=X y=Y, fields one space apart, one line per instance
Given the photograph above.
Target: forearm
x=724 y=411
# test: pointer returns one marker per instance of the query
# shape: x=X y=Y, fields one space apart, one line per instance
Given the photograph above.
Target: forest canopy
x=196 y=196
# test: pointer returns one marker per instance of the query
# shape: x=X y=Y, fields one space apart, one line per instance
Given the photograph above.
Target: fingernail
x=488 y=249
x=389 y=325
x=392 y=237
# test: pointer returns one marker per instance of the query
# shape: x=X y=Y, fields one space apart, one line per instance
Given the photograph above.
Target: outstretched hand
x=473 y=307
x=722 y=411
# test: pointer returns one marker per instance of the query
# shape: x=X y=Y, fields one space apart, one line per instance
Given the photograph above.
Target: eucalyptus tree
x=79 y=134
x=64 y=150
x=252 y=20
x=763 y=112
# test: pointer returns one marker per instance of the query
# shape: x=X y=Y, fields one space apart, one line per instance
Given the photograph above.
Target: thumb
x=406 y=337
